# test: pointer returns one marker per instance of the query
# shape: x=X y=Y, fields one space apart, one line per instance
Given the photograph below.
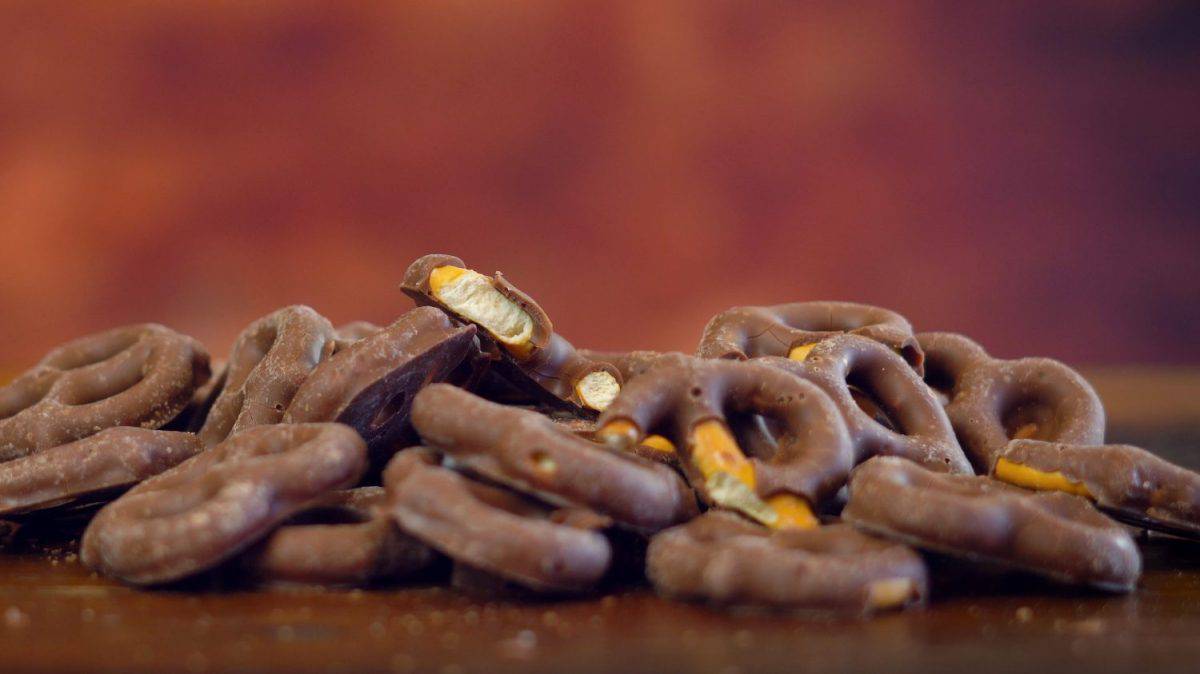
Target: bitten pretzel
x=269 y=361
x=370 y=384
x=789 y=330
x=724 y=559
x=1127 y=482
x=529 y=453
x=689 y=401
x=849 y=369
x=992 y=401
x=216 y=504
x=138 y=375
x=343 y=538
x=493 y=529
x=91 y=469
x=1056 y=535
x=530 y=355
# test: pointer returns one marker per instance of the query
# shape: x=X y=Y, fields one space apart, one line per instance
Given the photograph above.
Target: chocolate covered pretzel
x=269 y=361
x=691 y=401
x=905 y=419
x=343 y=538
x=90 y=470
x=1127 y=482
x=1053 y=534
x=788 y=330
x=724 y=559
x=221 y=501
x=349 y=333
x=137 y=375
x=529 y=355
x=629 y=363
x=992 y=401
x=496 y=530
x=529 y=453
x=370 y=384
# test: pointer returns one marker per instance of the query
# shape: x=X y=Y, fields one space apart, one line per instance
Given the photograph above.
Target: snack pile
x=808 y=458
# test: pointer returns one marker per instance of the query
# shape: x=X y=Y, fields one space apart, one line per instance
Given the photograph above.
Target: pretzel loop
x=856 y=372
x=138 y=375
x=692 y=402
x=992 y=401
x=788 y=329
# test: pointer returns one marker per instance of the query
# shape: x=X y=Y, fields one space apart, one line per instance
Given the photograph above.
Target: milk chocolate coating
x=349 y=333
x=553 y=367
x=813 y=453
x=269 y=361
x=923 y=432
x=1052 y=534
x=493 y=529
x=343 y=538
x=750 y=332
x=91 y=468
x=527 y=452
x=370 y=384
x=138 y=375
x=629 y=363
x=1129 y=483
x=724 y=559
x=221 y=501
x=991 y=400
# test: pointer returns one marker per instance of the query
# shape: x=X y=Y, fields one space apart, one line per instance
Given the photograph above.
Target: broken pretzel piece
x=531 y=358
x=991 y=401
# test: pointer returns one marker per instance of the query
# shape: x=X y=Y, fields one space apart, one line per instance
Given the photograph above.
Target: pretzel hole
x=862 y=390
x=939 y=378
x=393 y=406
x=1029 y=419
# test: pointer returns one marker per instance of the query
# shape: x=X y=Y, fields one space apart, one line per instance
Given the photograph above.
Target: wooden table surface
x=57 y=616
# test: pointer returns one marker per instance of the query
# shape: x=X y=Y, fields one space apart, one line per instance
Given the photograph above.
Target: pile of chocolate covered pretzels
x=797 y=461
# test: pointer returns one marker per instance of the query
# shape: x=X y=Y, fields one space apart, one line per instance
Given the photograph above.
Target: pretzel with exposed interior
x=529 y=354
x=789 y=330
x=992 y=401
x=690 y=401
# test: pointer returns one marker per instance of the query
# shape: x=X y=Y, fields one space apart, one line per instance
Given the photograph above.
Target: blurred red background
x=1028 y=173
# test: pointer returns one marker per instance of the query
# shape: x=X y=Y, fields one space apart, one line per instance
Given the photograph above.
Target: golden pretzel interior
x=474 y=297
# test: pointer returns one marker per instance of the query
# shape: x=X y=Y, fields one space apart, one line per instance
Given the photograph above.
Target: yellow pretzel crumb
x=793 y=512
